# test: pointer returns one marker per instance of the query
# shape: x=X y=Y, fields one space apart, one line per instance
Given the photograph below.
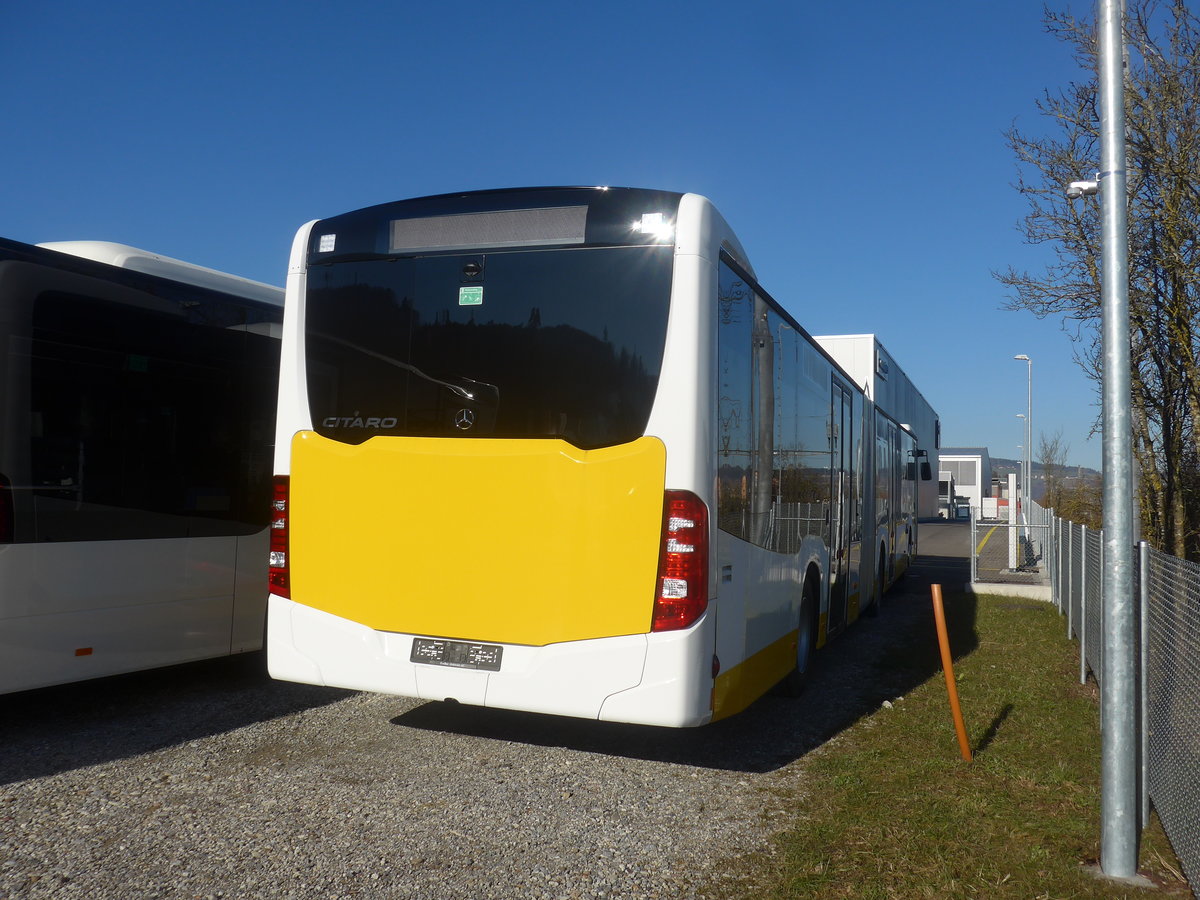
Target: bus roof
x=125 y=257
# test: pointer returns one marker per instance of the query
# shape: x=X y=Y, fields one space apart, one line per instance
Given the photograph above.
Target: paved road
x=945 y=540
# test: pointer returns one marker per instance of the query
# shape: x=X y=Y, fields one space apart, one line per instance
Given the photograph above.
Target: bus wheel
x=806 y=642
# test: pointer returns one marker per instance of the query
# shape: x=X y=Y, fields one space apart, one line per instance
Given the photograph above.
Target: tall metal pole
x=1118 y=704
x=1027 y=461
x=1029 y=435
x=1021 y=506
x=1021 y=447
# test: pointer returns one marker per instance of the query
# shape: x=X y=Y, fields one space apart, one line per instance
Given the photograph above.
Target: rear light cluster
x=683 y=563
x=279 y=580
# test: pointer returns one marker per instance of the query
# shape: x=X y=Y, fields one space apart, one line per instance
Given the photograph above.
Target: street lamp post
x=1023 y=483
x=1119 y=751
x=1027 y=477
x=1118 y=771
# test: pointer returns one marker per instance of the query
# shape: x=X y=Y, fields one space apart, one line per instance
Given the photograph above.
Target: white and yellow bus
x=555 y=450
x=137 y=413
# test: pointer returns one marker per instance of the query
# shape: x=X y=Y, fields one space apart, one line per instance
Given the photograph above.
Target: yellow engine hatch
x=511 y=541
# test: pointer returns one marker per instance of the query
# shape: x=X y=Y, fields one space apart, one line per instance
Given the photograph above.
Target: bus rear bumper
x=651 y=679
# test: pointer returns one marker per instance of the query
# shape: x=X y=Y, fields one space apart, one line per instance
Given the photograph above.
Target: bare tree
x=1052 y=452
x=1081 y=501
x=1162 y=100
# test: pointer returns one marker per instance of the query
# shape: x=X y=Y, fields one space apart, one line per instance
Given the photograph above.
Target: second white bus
x=137 y=410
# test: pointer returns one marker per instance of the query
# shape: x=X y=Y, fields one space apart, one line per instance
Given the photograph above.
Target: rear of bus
x=492 y=468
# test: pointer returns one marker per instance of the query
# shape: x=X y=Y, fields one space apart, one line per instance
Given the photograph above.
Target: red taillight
x=682 y=564
x=280 y=582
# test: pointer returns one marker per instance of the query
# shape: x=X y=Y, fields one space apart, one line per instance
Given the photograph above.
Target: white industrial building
x=969 y=470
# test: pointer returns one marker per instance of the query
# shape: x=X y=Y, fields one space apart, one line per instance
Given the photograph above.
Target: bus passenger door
x=841 y=517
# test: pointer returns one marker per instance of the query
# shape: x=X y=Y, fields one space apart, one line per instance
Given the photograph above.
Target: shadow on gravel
x=58 y=729
x=876 y=659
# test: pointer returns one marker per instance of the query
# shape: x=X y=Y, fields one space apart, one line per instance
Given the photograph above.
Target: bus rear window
x=535 y=343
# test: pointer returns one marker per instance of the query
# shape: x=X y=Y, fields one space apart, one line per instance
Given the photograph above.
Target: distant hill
x=1000 y=464
x=1073 y=476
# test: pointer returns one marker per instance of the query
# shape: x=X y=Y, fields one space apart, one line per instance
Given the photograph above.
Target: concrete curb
x=1031 y=591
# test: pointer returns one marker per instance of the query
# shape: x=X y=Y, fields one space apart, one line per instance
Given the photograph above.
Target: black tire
x=806 y=643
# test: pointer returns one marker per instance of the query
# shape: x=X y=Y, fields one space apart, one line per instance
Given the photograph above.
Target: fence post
x=1045 y=553
x=1058 y=562
x=1012 y=520
x=974 y=549
x=1052 y=521
x=1070 y=579
x=1052 y=558
x=1083 y=580
x=1052 y=543
x=1144 y=676
x=1100 y=670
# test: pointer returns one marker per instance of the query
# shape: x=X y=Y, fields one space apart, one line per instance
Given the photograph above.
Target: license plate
x=460 y=654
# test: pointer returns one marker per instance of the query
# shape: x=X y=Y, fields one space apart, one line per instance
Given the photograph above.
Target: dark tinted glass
x=737 y=456
x=149 y=420
x=885 y=453
x=774 y=450
x=540 y=343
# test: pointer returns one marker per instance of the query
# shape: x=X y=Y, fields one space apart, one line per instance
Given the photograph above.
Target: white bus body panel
x=105 y=601
x=760 y=594
x=293 y=414
x=730 y=558
x=641 y=678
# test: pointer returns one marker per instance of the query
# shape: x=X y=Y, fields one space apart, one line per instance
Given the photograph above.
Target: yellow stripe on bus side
x=510 y=541
x=744 y=683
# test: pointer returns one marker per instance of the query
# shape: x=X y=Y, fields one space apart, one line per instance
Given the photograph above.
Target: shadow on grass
x=876 y=659
x=993 y=729
x=58 y=729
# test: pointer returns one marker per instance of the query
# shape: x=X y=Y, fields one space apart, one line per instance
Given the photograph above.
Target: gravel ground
x=210 y=780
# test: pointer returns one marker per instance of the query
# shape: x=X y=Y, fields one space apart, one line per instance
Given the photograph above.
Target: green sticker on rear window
x=470 y=296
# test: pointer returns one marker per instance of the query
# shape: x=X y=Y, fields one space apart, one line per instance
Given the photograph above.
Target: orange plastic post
x=939 y=615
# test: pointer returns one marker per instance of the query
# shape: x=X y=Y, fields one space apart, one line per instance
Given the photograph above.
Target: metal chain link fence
x=1014 y=550
x=1093 y=620
x=1171 y=672
x=1035 y=547
x=1168 y=667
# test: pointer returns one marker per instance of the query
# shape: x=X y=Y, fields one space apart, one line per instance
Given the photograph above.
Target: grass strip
x=891 y=811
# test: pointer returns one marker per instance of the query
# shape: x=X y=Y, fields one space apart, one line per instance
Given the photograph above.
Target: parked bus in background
x=556 y=450
x=907 y=427
x=137 y=411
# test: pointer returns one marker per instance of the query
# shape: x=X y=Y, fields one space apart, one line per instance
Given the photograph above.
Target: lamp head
x=1077 y=189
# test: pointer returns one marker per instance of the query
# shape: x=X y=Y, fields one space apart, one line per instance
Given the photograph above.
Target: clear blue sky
x=857 y=148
